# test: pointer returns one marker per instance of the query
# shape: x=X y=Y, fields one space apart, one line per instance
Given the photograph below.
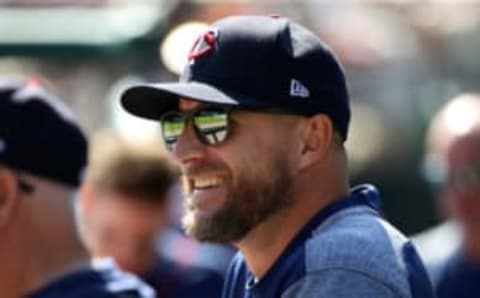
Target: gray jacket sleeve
x=339 y=283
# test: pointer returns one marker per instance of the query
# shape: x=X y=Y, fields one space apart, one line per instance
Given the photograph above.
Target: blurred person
x=453 y=149
x=42 y=155
x=124 y=205
x=258 y=122
x=460 y=275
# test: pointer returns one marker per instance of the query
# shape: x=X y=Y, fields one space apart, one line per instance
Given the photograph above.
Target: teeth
x=206 y=182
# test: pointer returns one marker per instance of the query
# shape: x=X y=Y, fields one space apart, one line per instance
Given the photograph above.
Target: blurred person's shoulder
x=459 y=277
x=431 y=242
x=103 y=279
x=174 y=279
x=433 y=249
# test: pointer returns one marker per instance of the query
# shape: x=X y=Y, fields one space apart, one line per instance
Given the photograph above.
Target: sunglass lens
x=172 y=124
x=212 y=124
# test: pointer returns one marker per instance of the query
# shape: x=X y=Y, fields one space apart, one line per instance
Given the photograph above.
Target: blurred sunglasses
x=211 y=123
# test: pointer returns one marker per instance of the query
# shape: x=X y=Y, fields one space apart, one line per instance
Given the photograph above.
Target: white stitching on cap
x=31 y=91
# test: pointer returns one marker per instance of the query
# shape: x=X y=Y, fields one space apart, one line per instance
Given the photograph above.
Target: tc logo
x=203 y=45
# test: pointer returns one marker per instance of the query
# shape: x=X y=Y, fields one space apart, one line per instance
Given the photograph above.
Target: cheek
x=255 y=173
x=253 y=158
x=250 y=154
x=466 y=207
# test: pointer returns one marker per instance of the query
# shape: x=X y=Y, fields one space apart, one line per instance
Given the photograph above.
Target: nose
x=188 y=148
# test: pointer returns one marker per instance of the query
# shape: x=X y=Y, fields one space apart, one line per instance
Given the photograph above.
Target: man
x=258 y=121
x=42 y=154
x=461 y=272
x=453 y=147
x=124 y=204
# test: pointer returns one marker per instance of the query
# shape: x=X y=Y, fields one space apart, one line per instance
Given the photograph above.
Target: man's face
x=232 y=187
x=124 y=228
x=463 y=187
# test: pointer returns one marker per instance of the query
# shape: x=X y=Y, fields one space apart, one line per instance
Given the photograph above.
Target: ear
x=317 y=140
x=8 y=196
x=85 y=197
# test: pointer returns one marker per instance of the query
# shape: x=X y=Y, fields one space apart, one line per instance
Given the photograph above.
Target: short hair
x=145 y=171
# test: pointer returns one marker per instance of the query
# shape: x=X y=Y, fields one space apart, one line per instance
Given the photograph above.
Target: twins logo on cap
x=204 y=44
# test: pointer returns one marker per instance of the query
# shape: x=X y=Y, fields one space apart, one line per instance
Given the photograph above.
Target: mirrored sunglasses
x=210 y=123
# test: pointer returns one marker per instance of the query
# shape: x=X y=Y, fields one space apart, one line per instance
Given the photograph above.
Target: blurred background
x=403 y=59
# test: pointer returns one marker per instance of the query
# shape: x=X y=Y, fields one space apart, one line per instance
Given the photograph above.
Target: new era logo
x=297 y=89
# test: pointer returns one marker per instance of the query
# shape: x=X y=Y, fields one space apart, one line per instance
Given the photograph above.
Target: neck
x=11 y=275
x=57 y=255
x=265 y=243
x=28 y=265
x=45 y=268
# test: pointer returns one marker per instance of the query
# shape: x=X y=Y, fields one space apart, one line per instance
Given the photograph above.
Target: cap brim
x=152 y=100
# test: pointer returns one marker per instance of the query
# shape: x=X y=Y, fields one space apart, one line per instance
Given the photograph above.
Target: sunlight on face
x=232 y=187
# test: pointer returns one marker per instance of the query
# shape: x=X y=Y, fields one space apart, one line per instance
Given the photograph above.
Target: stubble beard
x=252 y=199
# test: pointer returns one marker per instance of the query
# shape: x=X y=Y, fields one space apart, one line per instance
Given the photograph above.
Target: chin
x=221 y=227
x=197 y=224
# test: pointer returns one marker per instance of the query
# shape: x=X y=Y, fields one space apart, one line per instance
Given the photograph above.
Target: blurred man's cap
x=38 y=134
x=257 y=62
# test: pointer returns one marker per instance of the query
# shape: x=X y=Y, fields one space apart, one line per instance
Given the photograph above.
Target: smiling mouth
x=205 y=193
x=205 y=182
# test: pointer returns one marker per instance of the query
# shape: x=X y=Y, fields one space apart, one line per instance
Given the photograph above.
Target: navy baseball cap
x=38 y=134
x=256 y=62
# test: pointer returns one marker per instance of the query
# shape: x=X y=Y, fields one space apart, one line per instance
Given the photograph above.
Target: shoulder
x=184 y=280
x=119 y=283
x=458 y=278
x=431 y=247
x=357 y=240
x=100 y=281
x=341 y=283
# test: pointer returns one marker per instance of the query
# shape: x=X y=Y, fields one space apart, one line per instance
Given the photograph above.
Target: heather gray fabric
x=339 y=283
x=354 y=254
x=345 y=250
